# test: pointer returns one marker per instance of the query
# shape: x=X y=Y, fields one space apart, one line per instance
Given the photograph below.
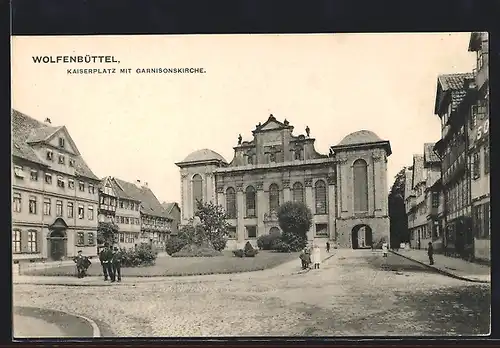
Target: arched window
x=298 y=192
x=360 y=184
x=274 y=197
x=250 y=200
x=231 y=203
x=197 y=191
x=320 y=197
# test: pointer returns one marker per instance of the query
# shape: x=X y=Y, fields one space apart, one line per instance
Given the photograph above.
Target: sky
x=137 y=126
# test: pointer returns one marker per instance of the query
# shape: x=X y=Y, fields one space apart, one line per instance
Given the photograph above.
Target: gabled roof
x=451 y=83
x=150 y=205
x=25 y=129
x=430 y=156
x=271 y=119
x=170 y=206
x=418 y=170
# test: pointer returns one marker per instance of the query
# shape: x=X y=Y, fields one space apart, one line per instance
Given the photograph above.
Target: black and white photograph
x=251 y=185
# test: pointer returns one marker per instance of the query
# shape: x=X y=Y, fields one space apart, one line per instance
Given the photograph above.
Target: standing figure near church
x=327 y=247
x=308 y=131
x=240 y=139
x=316 y=256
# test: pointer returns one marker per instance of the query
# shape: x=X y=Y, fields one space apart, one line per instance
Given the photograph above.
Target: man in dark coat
x=79 y=260
x=117 y=265
x=327 y=247
x=105 y=256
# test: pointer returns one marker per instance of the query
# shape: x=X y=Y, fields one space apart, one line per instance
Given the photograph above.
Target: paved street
x=354 y=293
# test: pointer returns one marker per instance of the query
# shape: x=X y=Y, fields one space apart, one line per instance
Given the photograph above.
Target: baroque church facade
x=346 y=190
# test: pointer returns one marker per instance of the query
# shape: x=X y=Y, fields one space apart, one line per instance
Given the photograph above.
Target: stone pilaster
x=260 y=205
x=331 y=179
x=221 y=198
x=286 y=191
x=344 y=186
x=310 y=203
x=240 y=208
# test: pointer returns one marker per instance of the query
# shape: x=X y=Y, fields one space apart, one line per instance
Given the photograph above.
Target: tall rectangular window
x=435 y=199
x=90 y=238
x=47 y=206
x=476 y=165
x=16 y=241
x=81 y=186
x=34 y=175
x=16 y=202
x=48 y=178
x=32 y=205
x=251 y=231
x=32 y=241
x=80 y=239
x=91 y=212
x=360 y=185
x=81 y=211
x=70 y=210
x=486 y=159
x=59 y=208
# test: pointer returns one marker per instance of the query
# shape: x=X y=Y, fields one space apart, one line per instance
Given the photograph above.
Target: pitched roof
x=429 y=154
x=454 y=84
x=26 y=130
x=169 y=206
x=418 y=170
x=150 y=205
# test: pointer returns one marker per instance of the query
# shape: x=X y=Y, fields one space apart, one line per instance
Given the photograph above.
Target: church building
x=346 y=190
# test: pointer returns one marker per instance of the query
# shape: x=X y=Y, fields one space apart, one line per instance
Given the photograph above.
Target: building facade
x=424 y=199
x=140 y=217
x=346 y=190
x=55 y=194
x=479 y=148
x=174 y=211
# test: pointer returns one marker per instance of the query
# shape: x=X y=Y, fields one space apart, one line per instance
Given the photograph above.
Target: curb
x=443 y=272
x=96 y=332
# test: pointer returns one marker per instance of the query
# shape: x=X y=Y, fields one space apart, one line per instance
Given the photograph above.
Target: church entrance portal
x=361 y=237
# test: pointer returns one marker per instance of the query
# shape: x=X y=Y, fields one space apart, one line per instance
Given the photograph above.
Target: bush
x=251 y=253
x=143 y=255
x=193 y=250
x=281 y=246
x=239 y=253
x=174 y=244
x=266 y=241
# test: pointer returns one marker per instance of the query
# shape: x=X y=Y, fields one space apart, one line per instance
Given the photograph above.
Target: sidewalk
x=453 y=267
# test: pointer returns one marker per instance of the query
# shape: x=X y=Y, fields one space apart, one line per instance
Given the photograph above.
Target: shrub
x=251 y=253
x=266 y=241
x=143 y=255
x=174 y=244
x=281 y=246
x=214 y=223
x=193 y=250
x=239 y=253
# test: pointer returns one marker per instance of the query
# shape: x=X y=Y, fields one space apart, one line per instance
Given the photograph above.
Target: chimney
x=138 y=183
x=47 y=120
x=145 y=184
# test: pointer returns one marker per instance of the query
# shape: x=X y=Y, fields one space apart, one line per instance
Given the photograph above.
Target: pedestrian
x=105 y=257
x=385 y=249
x=307 y=257
x=327 y=247
x=302 y=258
x=316 y=256
x=430 y=253
x=117 y=264
x=79 y=264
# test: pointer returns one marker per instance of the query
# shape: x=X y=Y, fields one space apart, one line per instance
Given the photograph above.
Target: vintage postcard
x=309 y=185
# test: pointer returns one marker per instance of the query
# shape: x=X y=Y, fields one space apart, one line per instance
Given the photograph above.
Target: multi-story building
x=107 y=202
x=453 y=150
x=411 y=206
x=419 y=231
x=479 y=147
x=55 y=193
x=174 y=211
x=346 y=190
x=140 y=217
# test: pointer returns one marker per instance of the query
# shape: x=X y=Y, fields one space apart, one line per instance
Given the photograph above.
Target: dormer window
x=49 y=155
x=71 y=162
x=18 y=172
x=62 y=160
x=61 y=142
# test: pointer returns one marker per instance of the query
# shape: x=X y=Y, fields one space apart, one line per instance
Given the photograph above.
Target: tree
x=397 y=212
x=213 y=219
x=295 y=219
x=106 y=232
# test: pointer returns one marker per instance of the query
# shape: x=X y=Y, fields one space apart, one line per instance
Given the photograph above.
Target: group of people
x=111 y=262
x=311 y=256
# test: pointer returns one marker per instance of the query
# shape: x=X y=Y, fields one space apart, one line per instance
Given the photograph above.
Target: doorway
x=361 y=237
x=57 y=242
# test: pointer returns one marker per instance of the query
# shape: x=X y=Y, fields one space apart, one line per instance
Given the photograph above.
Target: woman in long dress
x=316 y=256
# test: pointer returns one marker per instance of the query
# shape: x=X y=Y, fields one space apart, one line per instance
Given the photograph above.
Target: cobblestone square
x=355 y=292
